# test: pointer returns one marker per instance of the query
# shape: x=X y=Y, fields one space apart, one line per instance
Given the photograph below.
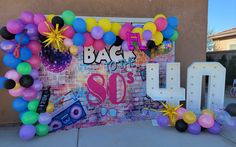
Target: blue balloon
x=2 y=80
x=19 y=104
x=79 y=25
x=173 y=22
x=168 y=32
x=25 y=53
x=109 y=38
x=78 y=39
x=11 y=61
x=22 y=39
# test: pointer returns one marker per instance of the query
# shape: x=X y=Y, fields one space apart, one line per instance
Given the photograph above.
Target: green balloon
x=68 y=17
x=24 y=68
x=33 y=105
x=29 y=118
x=42 y=130
x=175 y=36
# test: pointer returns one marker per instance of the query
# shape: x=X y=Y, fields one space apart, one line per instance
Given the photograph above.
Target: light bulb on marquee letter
x=173 y=93
x=216 y=85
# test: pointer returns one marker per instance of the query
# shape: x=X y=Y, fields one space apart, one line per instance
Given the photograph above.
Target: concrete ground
x=137 y=134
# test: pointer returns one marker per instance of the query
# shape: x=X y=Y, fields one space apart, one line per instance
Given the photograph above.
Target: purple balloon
x=27 y=132
x=147 y=35
x=38 y=18
x=32 y=29
x=215 y=129
x=163 y=121
x=15 y=26
x=194 y=128
x=45 y=118
x=37 y=85
x=81 y=49
x=27 y=17
x=97 y=32
x=30 y=94
x=8 y=46
x=34 y=73
x=124 y=46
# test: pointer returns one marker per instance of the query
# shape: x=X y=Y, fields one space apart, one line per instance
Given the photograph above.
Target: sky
x=221 y=15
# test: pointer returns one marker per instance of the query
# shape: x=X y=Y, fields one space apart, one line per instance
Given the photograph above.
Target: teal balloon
x=175 y=36
x=25 y=53
x=22 y=39
x=78 y=39
x=30 y=117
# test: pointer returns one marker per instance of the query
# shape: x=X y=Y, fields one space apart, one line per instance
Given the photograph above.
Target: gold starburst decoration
x=55 y=38
x=170 y=111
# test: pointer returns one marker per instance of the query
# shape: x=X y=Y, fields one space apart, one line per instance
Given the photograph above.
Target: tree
x=210 y=42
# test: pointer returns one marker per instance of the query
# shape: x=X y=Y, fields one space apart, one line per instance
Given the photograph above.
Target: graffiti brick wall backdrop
x=189 y=47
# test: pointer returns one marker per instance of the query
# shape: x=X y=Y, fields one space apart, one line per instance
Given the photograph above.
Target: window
x=232 y=46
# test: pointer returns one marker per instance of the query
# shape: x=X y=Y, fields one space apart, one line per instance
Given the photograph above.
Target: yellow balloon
x=90 y=22
x=115 y=28
x=50 y=107
x=150 y=26
x=17 y=86
x=49 y=17
x=138 y=30
x=105 y=24
x=158 y=16
x=209 y=112
x=74 y=50
x=158 y=38
x=189 y=117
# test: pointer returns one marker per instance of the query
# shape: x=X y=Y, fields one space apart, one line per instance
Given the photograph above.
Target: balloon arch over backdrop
x=70 y=72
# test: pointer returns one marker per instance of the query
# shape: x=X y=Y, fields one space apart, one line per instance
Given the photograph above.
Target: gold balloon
x=209 y=112
x=189 y=117
x=17 y=86
x=49 y=17
x=50 y=107
x=74 y=50
x=158 y=16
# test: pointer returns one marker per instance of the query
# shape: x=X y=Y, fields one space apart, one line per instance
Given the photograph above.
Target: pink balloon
x=13 y=74
x=123 y=32
x=38 y=18
x=15 y=26
x=34 y=46
x=128 y=25
x=17 y=92
x=35 y=61
x=88 y=39
x=98 y=45
x=181 y=112
x=69 y=32
x=206 y=121
x=68 y=42
x=30 y=94
x=27 y=17
x=43 y=28
x=161 y=24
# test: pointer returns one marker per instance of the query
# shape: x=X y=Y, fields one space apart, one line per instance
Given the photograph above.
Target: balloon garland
x=35 y=40
x=184 y=120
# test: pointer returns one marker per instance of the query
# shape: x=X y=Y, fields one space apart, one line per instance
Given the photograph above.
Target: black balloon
x=151 y=44
x=9 y=84
x=231 y=109
x=118 y=41
x=26 y=81
x=5 y=34
x=203 y=129
x=57 y=20
x=181 y=126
